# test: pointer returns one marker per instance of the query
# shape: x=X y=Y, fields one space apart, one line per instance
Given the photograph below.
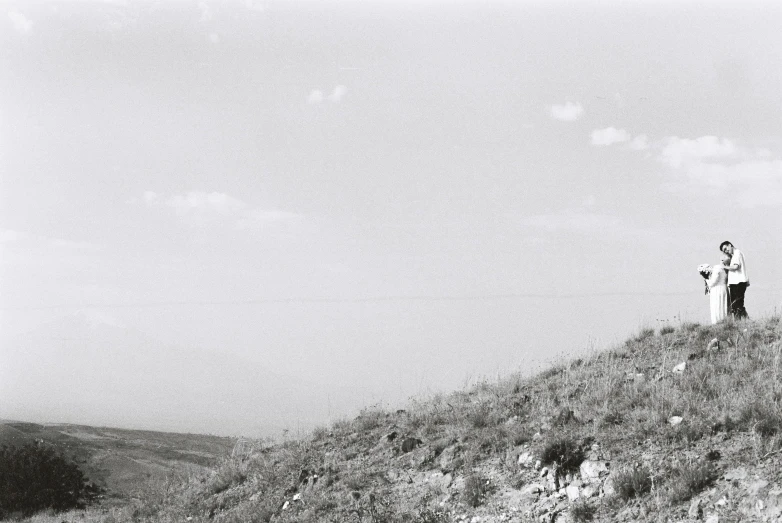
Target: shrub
x=644 y=334
x=632 y=483
x=34 y=477
x=582 y=511
x=565 y=452
x=761 y=418
x=668 y=329
x=691 y=479
x=476 y=490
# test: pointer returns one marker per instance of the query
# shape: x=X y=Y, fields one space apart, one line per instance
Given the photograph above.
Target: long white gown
x=718 y=293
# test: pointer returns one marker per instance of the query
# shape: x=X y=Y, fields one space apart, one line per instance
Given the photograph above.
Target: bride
x=717 y=287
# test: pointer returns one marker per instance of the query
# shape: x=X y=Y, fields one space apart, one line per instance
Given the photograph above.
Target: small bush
x=632 y=483
x=582 y=511
x=687 y=481
x=565 y=452
x=668 y=329
x=644 y=334
x=763 y=419
x=35 y=478
x=476 y=490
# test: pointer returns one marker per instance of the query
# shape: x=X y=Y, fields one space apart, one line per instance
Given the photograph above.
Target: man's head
x=727 y=248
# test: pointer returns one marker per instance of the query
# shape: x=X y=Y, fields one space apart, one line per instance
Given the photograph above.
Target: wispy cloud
x=337 y=94
x=750 y=176
x=609 y=135
x=568 y=112
x=198 y=205
x=639 y=143
x=21 y=23
x=678 y=152
x=205 y=12
x=317 y=96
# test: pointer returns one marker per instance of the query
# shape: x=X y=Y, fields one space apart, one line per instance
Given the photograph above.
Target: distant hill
x=121 y=460
x=85 y=370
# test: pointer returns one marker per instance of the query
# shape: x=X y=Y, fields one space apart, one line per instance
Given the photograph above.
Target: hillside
x=119 y=460
x=681 y=424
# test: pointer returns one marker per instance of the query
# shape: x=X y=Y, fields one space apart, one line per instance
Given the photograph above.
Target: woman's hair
x=725 y=259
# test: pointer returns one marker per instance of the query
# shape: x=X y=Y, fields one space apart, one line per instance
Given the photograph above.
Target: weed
x=668 y=329
x=565 y=452
x=644 y=334
x=632 y=483
x=476 y=490
x=582 y=511
x=687 y=481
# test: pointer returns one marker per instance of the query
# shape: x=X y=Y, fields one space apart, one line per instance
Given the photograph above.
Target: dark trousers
x=736 y=298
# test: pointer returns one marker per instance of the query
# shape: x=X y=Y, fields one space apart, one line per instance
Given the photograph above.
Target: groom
x=738 y=281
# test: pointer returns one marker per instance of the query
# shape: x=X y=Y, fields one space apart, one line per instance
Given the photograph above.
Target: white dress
x=718 y=293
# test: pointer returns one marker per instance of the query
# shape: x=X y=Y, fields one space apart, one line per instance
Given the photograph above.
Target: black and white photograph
x=379 y=261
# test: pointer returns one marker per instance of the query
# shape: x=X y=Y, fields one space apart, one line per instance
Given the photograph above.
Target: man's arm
x=734 y=266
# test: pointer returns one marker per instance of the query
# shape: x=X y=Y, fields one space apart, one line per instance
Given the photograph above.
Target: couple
x=726 y=283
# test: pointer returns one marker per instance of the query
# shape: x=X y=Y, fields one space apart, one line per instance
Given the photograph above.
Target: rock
x=712 y=518
x=438 y=479
x=755 y=487
x=543 y=472
x=736 y=474
x=590 y=491
x=447 y=457
x=608 y=487
x=526 y=459
x=696 y=509
x=675 y=420
x=572 y=493
x=593 y=470
x=538 y=465
x=680 y=368
x=714 y=344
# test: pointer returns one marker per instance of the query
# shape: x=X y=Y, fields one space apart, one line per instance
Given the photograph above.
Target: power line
x=366 y=299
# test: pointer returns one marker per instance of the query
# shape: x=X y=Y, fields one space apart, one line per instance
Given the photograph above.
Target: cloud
x=197 y=206
x=214 y=38
x=21 y=23
x=338 y=93
x=682 y=151
x=317 y=96
x=751 y=177
x=206 y=12
x=609 y=135
x=639 y=143
x=569 y=112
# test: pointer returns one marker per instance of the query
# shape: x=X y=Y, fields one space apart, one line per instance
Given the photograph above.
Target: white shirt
x=740 y=274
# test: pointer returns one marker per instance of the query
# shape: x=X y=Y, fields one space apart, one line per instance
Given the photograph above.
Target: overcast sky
x=398 y=197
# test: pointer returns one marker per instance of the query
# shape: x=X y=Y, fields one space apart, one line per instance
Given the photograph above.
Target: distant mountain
x=86 y=369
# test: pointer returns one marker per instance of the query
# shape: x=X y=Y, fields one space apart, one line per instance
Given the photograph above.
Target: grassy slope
x=455 y=457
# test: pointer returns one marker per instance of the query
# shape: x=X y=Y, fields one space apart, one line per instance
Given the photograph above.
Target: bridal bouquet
x=704 y=269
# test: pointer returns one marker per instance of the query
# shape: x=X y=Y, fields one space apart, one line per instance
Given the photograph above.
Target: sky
x=393 y=198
